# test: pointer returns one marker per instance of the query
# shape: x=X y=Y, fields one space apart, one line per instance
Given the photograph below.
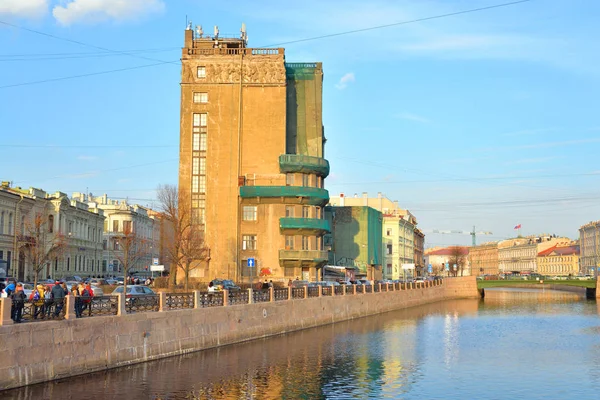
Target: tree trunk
x=187 y=276
x=173 y=276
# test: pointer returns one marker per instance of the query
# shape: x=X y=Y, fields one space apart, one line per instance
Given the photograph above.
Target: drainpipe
x=15 y=242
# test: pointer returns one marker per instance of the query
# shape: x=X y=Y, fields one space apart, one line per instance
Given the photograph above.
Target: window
x=202 y=184
x=199 y=119
x=2 y=223
x=202 y=166
x=116 y=245
x=304 y=242
x=195 y=165
x=289 y=243
x=115 y=226
x=196 y=142
x=194 y=184
x=305 y=180
x=203 y=142
x=200 y=97
x=388 y=232
x=50 y=223
x=201 y=72
x=127 y=227
x=289 y=179
x=249 y=213
x=305 y=212
x=389 y=269
x=248 y=242
x=289 y=211
x=104 y=245
x=389 y=249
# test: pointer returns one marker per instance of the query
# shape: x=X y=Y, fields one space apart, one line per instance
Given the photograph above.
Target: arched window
x=50 y=223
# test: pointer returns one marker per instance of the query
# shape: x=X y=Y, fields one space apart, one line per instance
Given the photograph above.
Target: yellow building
x=559 y=260
x=484 y=259
x=251 y=158
x=519 y=255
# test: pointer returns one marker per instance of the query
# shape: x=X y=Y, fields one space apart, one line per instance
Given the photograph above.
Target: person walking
x=47 y=302
x=18 y=302
x=37 y=299
x=76 y=293
x=290 y=283
x=58 y=298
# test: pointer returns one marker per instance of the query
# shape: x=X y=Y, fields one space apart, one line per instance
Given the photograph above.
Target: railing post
x=332 y=290
x=197 y=299
x=162 y=301
x=379 y=287
x=353 y=289
x=121 y=305
x=289 y=293
x=306 y=292
x=250 y=299
x=271 y=294
x=320 y=291
x=70 y=306
x=225 y=297
x=5 y=305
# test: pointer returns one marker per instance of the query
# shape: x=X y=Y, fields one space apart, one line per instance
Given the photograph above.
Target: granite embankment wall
x=43 y=351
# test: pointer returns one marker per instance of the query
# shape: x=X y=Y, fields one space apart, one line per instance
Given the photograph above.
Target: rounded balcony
x=286 y=194
x=289 y=163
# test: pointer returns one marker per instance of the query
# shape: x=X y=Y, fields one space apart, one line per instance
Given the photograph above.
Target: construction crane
x=473 y=233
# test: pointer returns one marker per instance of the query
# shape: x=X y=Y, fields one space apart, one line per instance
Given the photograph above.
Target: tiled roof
x=447 y=251
x=559 y=251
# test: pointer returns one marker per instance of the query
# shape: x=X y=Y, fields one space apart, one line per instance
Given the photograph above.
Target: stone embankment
x=42 y=351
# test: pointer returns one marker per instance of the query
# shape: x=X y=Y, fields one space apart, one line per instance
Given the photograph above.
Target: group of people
x=134 y=280
x=48 y=300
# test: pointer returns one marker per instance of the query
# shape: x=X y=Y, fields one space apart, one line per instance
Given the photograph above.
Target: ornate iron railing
x=178 y=301
x=100 y=305
x=137 y=303
x=298 y=293
x=376 y=288
x=31 y=310
x=360 y=288
x=326 y=290
x=339 y=290
x=349 y=289
x=213 y=299
x=368 y=288
x=313 y=291
x=280 y=294
x=261 y=296
x=240 y=297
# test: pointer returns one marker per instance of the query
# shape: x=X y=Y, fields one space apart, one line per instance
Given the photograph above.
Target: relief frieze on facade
x=269 y=73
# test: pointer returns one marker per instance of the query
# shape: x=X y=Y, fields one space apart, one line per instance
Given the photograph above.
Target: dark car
x=226 y=284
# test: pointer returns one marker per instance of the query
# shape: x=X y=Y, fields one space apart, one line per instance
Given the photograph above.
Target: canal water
x=515 y=344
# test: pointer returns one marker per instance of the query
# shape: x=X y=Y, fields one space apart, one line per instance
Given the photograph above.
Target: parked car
x=112 y=282
x=226 y=284
x=98 y=281
x=299 y=284
x=136 y=294
x=365 y=282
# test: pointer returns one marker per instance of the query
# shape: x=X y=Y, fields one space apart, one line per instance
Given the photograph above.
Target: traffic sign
x=155 y=261
x=447 y=266
x=251 y=262
x=430 y=268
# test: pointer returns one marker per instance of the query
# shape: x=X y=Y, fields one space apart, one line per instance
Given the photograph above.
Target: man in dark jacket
x=18 y=302
x=58 y=296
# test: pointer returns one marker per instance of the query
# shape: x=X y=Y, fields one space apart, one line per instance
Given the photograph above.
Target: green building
x=355 y=239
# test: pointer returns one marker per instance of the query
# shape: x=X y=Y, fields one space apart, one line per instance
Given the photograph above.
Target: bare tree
x=185 y=246
x=40 y=244
x=457 y=257
x=131 y=249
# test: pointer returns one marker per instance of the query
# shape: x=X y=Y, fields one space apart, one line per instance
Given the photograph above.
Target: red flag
x=518 y=226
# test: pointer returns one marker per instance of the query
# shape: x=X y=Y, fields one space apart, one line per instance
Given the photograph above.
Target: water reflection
x=445 y=350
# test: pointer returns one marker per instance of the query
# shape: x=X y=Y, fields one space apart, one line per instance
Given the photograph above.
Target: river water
x=515 y=344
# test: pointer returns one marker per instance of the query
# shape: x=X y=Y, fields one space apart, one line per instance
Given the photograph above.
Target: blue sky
x=486 y=119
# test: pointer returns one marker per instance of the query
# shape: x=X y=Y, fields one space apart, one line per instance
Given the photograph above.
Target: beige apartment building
x=484 y=259
x=398 y=233
x=71 y=222
x=561 y=259
x=519 y=255
x=589 y=240
x=252 y=167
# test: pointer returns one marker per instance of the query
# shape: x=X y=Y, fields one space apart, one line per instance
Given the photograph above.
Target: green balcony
x=304 y=226
x=286 y=194
x=304 y=256
x=304 y=164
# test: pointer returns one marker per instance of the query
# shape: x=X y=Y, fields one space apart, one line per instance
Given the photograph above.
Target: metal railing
x=339 y=290
x=298 y=293
x=313 y=291
x=376 y=288
x=360 y=288
x=240 y=297
x=213 y=299
x=368 y=288
x=280 y=294
x=349 y=289
x=326 y=290
x=101 y=305
x=178 y=301
x=261 y=296
x=137 y=303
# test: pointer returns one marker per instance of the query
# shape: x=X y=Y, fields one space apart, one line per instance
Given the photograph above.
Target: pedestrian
x=77 y=296
x=47 y=301
x=10 y=288
x=18 y=302
x=265 y=285
x=37 y=299
x=89 y=294
x=58 y=298
x=270 y=283
x=64 y=288
x=290 y=283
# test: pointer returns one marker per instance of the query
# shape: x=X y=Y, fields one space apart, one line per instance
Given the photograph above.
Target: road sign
x=430 y=268
x=155 y=261
x=447 y=266
x=454 y=266
x=157 y=268
x=251 y=262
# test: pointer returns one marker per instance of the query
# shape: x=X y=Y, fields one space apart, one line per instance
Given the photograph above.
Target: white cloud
x=24 y=8
x=412 y=117
x=75 y=11
x=345 y=80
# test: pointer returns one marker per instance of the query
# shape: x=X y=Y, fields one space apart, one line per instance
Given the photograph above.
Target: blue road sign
x=447 y=266
x=430 y=268
x=251 y=262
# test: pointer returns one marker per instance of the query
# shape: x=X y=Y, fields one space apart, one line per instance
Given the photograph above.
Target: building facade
x=483 y=259
x=57 y=219
x=589 y=240
x=401 y=240
x=442 y=260
x=356 y=240
x=252 y=167
x=559 y=260
x=519 y=255
x=419 y=251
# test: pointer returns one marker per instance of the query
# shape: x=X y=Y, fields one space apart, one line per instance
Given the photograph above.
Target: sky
x=487 y=118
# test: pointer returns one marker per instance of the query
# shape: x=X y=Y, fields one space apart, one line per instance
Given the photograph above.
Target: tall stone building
x=519 y=255
x=589 y=240
x=251 y=158
x=484 y=259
